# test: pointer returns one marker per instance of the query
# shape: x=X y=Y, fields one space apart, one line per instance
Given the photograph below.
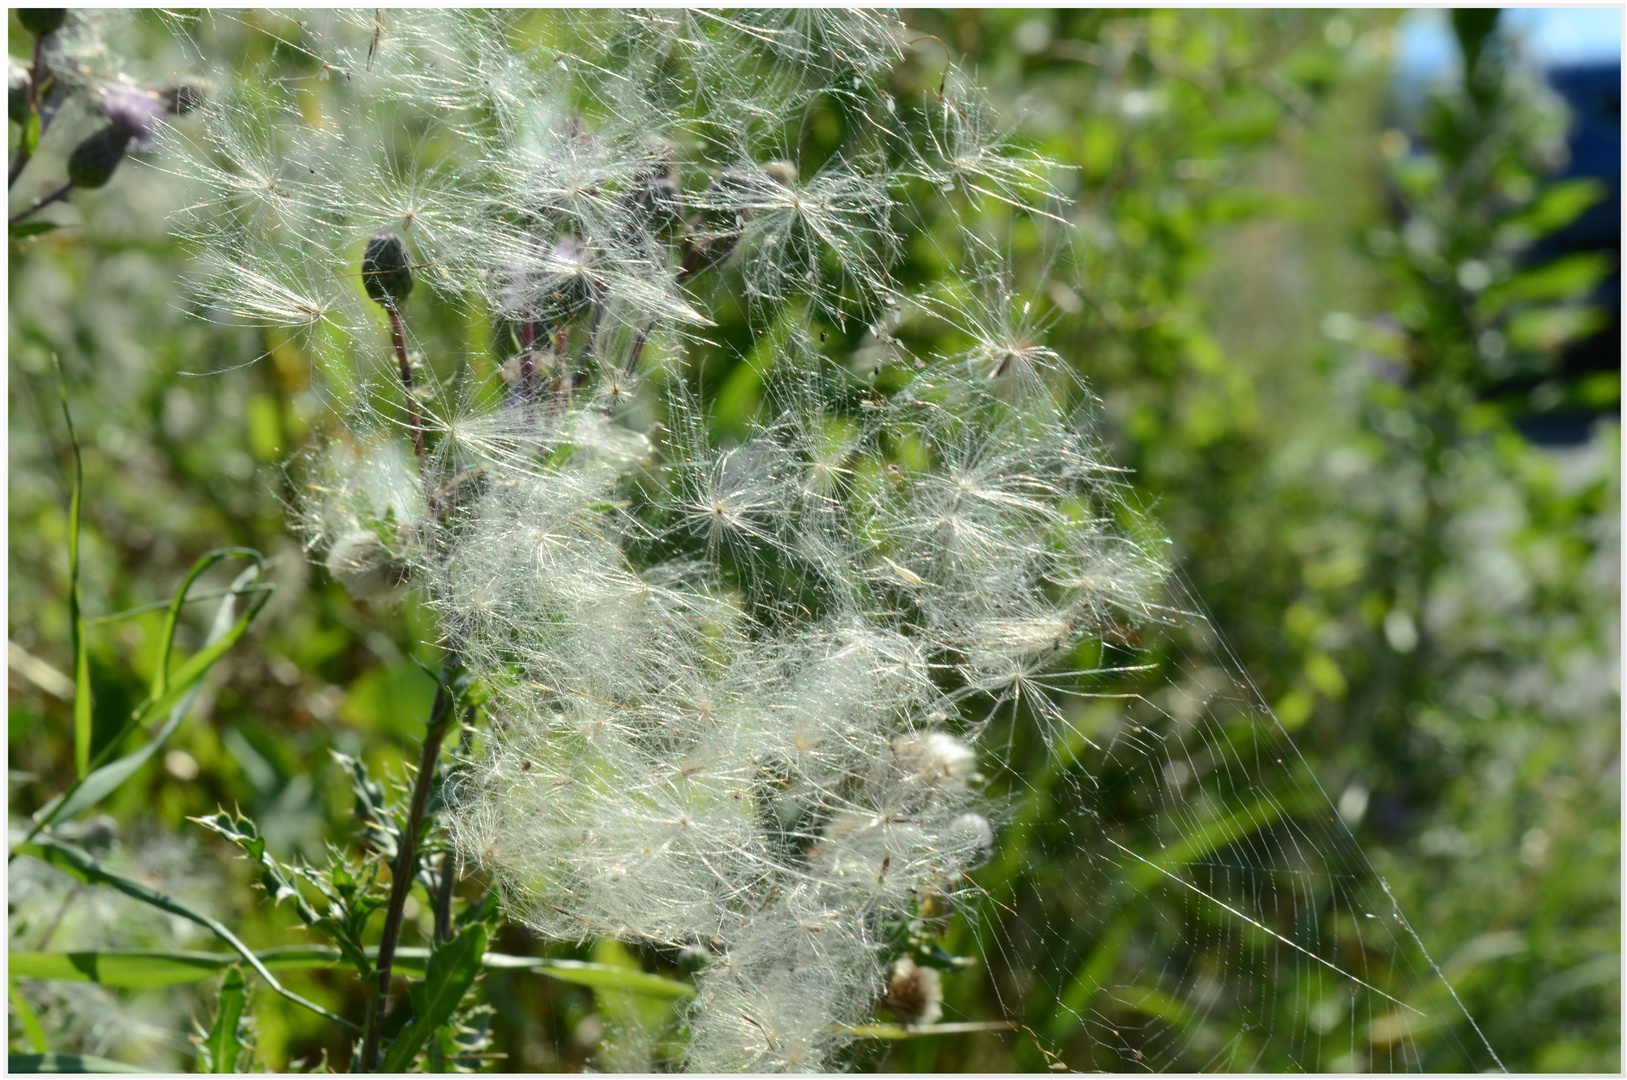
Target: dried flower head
x=739 y=680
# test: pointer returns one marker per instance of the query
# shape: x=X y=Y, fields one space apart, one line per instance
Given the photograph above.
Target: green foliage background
x=1305 y=394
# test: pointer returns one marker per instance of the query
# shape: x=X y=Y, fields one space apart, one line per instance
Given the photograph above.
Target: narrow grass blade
x=144 y=969
x=66 y=1063
x=91 y=789
x=82 y=727
x=33 y=1030
x=597 y=976
x=899 y=1031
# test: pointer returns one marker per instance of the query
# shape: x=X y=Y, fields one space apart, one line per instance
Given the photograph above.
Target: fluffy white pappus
x=738 y=667
x=363 y=510
x=778 y=999
x=934 y=759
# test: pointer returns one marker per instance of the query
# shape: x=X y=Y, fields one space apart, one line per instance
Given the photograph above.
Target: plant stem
x=42 y=202
x=445 y=879
x=24 y=151
x=406 y=866
x=528 y=362
x=398 y=335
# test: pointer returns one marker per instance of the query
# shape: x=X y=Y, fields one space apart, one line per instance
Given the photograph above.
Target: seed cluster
x=738 y=679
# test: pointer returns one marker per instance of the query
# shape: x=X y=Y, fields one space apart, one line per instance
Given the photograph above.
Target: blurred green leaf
x=1559 y=204
x=67 y=1063
x=83 y=722
x=1569 y=277
x=222 y=634
x=390 y=700
x=146 y=968
x=33 y=1030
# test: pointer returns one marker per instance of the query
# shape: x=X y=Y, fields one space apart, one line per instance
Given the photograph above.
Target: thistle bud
x=41 y=21
x=136 y=111
x=386 y=269
x=94 y=160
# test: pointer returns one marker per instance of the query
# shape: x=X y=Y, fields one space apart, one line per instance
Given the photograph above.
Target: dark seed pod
x=93 y=161
x=386 y=269
x=181 y=98
x=41 y=21
x=17 y=80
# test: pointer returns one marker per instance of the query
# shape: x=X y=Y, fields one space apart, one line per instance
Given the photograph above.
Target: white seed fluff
x=738 y=680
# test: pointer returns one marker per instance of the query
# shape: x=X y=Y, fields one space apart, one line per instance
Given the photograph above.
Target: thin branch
x=42 y=202
x=24 y=150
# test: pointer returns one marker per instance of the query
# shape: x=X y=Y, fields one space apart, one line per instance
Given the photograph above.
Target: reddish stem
x=398 y=335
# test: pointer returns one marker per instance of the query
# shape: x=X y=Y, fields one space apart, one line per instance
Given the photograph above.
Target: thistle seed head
x=914 y=993
x=740 y=677
x=362 y=563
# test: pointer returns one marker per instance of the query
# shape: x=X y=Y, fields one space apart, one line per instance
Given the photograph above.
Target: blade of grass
x=899 y=1031
x=66 y=1063
x=82 y=728
x=33 y=1030
x=173 y=616
x=89 y=790
x=82 y=867
x=145 y=968
x=597 y=976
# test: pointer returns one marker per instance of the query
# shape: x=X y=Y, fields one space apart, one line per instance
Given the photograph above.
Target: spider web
x=1174 y=890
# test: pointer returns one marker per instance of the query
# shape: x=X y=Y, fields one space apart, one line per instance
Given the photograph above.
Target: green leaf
x=1559 y=205
x=33 y=1030
x=601 y=976
x=66 y=1063
x=31 y=134
x=622 y=1007
x=173 y=616
x=143 y=969
x=82 y=726
x=1569 y=277
x=452 y=969
x=219 y=1049
x=33 y=228
x=899 y=1031
x=81 y=867
x=86 y=792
